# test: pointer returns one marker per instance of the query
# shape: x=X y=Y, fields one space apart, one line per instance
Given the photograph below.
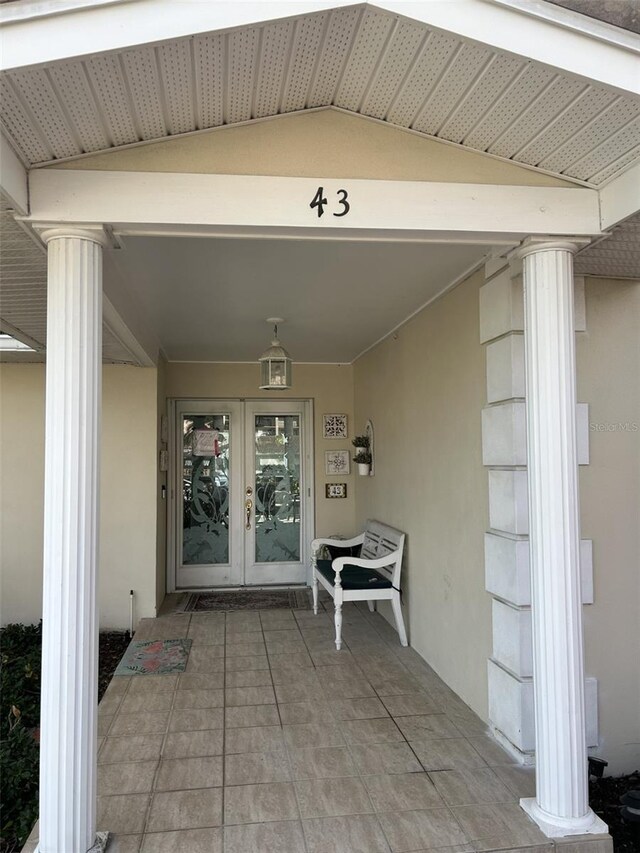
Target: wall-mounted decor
x=335 y=490
x=336 y=462
x=362 y=454
x=368 y=431
x=334 y=426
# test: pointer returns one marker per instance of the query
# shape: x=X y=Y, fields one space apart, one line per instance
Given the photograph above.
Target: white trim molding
x=68 y=747
x=620 y=198
x=173 y=202
x=561 y=805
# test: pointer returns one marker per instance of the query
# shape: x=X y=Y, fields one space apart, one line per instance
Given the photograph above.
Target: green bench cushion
x=354 y=577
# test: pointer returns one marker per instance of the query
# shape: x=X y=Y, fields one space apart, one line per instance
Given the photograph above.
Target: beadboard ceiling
x=359 y=58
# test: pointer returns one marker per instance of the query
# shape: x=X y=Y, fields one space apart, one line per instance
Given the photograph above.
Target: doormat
x=258 y=599
x=154 y=657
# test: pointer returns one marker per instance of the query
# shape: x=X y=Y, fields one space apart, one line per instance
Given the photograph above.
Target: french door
x=242 y=493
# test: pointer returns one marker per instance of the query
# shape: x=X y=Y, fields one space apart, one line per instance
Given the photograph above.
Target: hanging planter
x=362 y=456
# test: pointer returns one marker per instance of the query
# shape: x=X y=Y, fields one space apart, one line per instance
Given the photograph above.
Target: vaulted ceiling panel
x=398 y=56
x=360 y=58
x=484 y=91
x=593 y=134
x=584 y=108
x=365 y=53
x=209 y=59
x=538 y=115
x=615 y=146
x=74 y=93
x=308 y=37
x=108 y=83
x=176 y=71
x=142 y=73
x=276 y=41
x=513 y=102
x=467 y=64
x=423 y=76
x=243 y=51
x=335 y=51
x=36 y=92
x=24 y=130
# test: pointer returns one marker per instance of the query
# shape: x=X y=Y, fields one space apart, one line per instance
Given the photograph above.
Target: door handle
x=248 y=505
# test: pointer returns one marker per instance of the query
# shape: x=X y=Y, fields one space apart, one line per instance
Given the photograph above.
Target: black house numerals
x=320 y=201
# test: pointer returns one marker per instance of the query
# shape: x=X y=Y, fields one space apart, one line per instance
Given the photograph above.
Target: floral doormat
x=258 y=599
x=154 y=657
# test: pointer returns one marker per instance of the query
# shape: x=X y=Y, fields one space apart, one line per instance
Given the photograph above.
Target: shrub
x=20 y=653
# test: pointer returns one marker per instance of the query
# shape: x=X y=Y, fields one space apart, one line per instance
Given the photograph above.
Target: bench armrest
x=339 y=543
x=340 y=562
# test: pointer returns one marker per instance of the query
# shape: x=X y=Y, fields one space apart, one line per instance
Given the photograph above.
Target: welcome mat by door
x=154 y=657
x=258 y=599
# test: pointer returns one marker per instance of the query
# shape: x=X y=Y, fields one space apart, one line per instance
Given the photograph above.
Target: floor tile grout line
x=162 y=747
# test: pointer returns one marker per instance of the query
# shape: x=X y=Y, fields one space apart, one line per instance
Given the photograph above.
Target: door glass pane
x=277 y=494
x=205 y=489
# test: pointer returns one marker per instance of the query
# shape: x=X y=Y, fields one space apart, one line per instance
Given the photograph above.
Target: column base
x=557 y=827
x=99 y=845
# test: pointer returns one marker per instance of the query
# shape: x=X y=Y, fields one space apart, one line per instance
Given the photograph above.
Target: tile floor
x=273 y=741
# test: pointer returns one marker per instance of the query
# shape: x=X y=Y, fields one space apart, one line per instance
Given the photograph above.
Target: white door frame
x=307 y=460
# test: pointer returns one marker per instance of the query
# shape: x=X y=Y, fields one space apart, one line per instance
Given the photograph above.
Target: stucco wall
x=330 y=386
x=330 y=143
x=608 y=366
x=424 y=388
x=127 y=498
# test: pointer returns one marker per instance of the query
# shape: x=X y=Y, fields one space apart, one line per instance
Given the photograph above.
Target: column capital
x=531 y=245
x=48 y=231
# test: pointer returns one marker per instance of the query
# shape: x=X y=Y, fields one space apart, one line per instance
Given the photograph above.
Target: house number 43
x=319 y=202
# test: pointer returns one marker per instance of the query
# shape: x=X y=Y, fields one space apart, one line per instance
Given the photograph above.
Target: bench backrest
x=379 y=540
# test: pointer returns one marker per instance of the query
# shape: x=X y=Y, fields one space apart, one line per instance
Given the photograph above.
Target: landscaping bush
x=20 y=650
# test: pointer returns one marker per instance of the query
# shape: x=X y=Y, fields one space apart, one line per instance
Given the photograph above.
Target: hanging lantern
x=275 y=363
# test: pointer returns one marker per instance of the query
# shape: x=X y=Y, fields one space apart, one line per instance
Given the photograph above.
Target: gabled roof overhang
x=477 y=73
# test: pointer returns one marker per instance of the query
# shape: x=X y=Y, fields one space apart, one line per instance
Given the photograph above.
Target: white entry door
x=242 y=494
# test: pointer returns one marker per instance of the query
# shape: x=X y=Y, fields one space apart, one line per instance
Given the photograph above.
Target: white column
x=68 y=724
x=561 y=805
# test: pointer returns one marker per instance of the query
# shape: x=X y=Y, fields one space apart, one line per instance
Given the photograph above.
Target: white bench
x=373 y=576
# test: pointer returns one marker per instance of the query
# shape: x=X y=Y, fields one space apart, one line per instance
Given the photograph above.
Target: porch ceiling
x=359 y=58
x=207 y=299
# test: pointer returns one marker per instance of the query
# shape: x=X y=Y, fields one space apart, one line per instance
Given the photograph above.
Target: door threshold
x=245 y=588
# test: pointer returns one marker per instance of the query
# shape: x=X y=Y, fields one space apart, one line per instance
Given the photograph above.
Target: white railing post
x=561 y=805
x=68 y=724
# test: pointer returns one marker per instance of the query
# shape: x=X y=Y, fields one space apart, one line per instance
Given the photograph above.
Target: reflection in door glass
x=205 y=489
x=277 y=466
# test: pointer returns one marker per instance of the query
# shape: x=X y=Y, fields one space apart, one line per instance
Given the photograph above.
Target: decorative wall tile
x=334 y=426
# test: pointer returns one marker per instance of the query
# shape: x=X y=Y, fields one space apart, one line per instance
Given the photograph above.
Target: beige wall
x=608 y=365
x=328 y=143
x=424 y=388
x=330 y=386
x=128 y=485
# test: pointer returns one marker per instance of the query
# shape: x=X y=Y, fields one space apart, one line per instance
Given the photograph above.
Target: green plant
x=362 y=457
x=361 y=442
x=20 y=654
x=19 y=752
x=20 y=648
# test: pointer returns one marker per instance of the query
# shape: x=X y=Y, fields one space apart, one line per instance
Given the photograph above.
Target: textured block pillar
x=68 y=726
x=561 y=805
